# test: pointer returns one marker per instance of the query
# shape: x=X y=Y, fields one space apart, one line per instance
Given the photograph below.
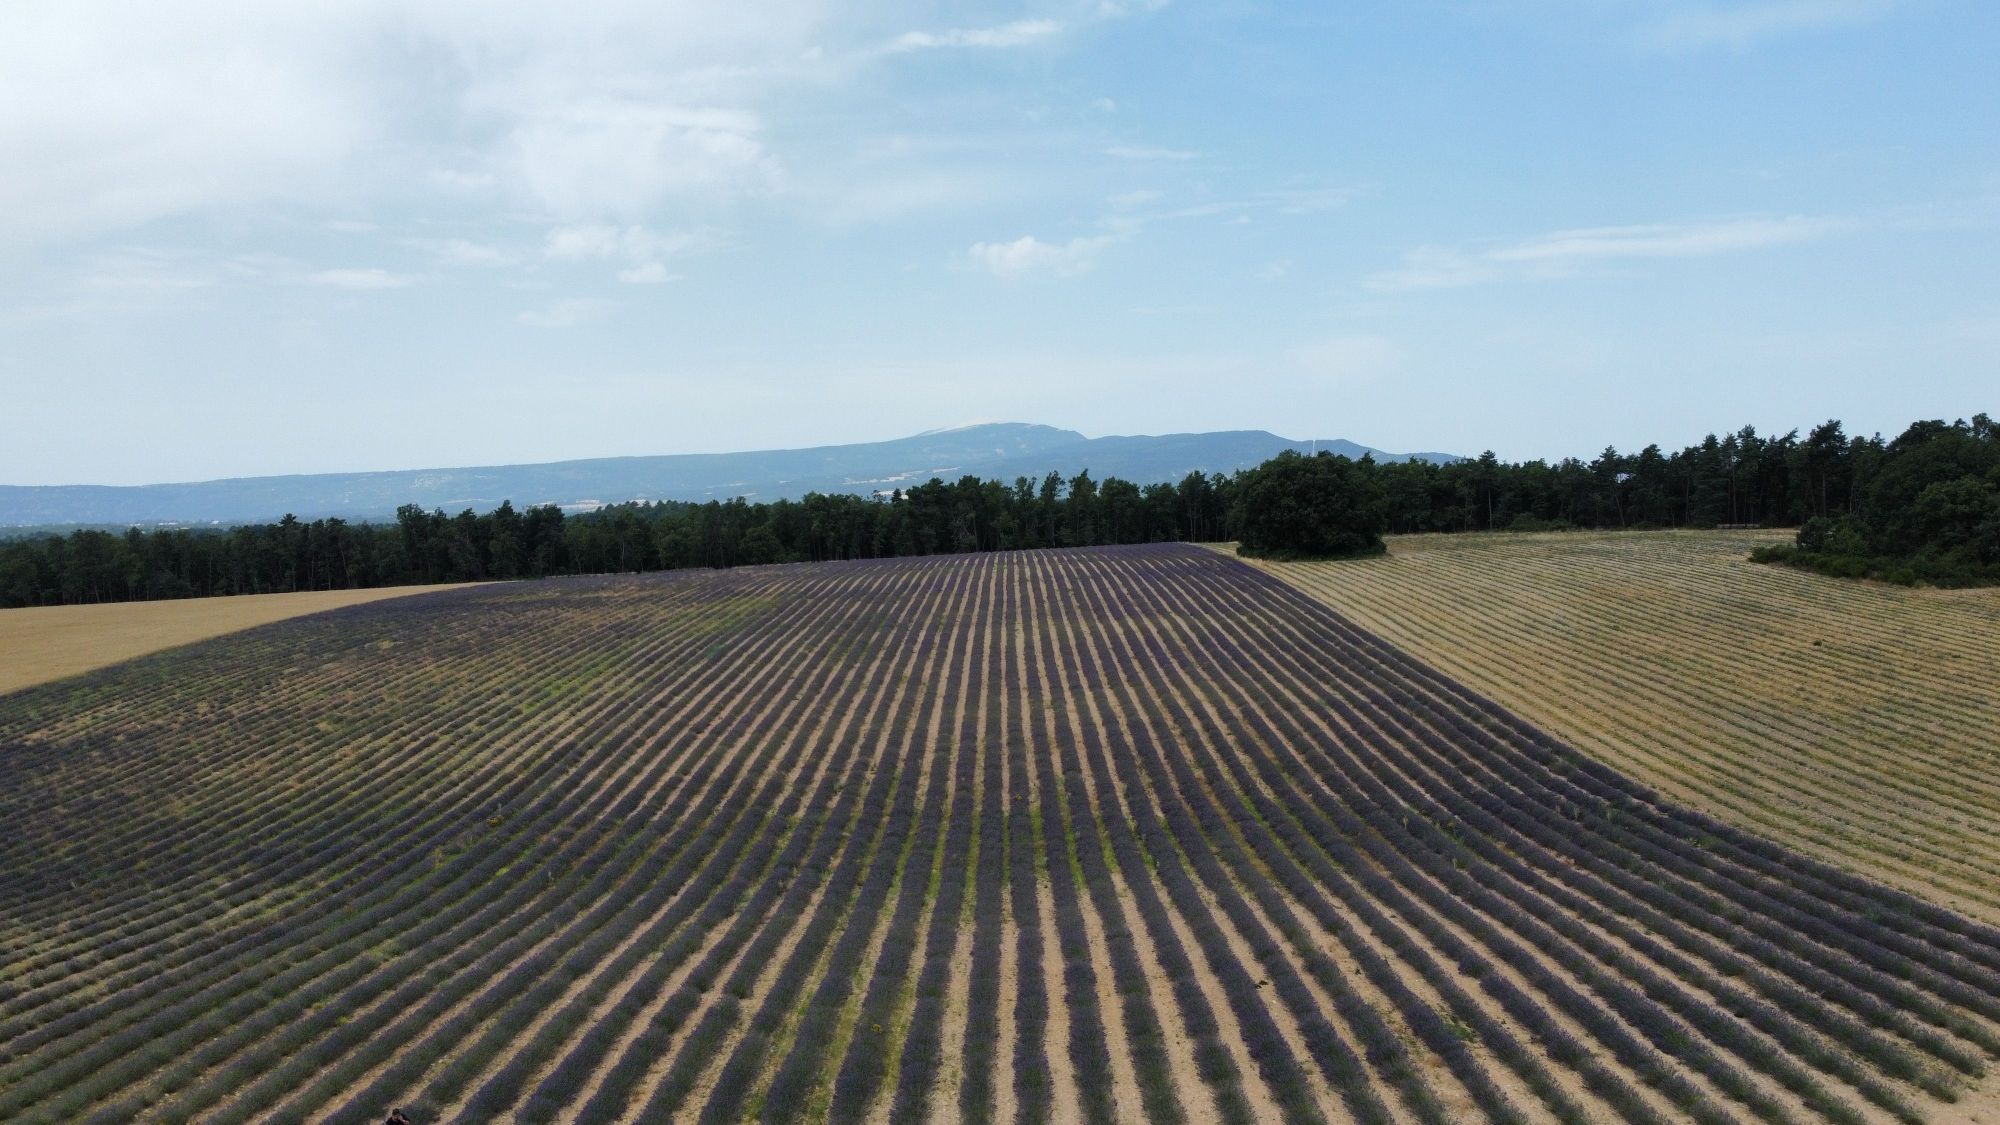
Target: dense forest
x=1855 y=497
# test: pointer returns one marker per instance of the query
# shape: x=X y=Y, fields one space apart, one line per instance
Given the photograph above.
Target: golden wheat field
x=1859 y=723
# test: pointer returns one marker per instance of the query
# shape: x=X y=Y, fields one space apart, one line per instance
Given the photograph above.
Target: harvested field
x=47 y=643
x=1115 y=834
x=1856 y=722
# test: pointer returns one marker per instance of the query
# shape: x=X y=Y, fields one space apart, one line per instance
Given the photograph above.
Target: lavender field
x=1098 y=835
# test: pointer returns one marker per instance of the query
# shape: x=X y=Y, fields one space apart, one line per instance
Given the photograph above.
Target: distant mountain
x=1002 y=450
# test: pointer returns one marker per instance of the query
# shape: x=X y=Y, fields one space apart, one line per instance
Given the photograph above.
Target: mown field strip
x=1104 y=835
x=48 y=643
x=1855 y=721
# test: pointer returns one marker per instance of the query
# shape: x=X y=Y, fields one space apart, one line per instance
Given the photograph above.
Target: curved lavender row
x=1830 y=951
x=1604 y=985
x=1402 y=703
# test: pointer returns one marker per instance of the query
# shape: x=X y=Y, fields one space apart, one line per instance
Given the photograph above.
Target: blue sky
x=243 y=238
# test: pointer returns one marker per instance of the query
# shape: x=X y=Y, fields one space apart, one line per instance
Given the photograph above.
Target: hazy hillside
x=1003 y=450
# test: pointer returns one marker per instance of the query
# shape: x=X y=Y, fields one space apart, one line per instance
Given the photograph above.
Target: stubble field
x=1117 y=834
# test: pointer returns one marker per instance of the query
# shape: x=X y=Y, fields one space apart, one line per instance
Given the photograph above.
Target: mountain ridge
x=1002 y=450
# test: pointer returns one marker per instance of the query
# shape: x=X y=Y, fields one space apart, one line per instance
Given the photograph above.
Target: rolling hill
x=1002 y=450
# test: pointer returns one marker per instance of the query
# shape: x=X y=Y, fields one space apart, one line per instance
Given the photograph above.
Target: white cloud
x=367 y=278
x=1345 y=359
x=1739 y=26
x=1029 y=254
x=567 y=312
x=1148 y=152
x=623 y=158
x=1020 y=33
x=115 y=113
x=112 y=115
x=1562 y=252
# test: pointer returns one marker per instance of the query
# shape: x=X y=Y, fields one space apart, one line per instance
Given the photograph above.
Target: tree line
x=1864 y=492
x=1929 y=512
x=430 y=546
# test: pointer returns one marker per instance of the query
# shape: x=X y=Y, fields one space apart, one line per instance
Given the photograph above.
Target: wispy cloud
x=145 y=270
x=632 y=243
x=1113 y=9
x=1434 y=267
x=1739 y=26
x=1133 y=211
x=364 y=278
x=1559 y=252
x=644 y=251
x=1029 y=254
x=651 y=273
x=1668 y=240
x=868 y=194
x=567 y=312
x=463 y=252
x=1149 y=152
x=1020 y=33
x=1304 y=201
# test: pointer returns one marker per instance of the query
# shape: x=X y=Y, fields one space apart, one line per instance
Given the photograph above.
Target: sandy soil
x=1976 y=1107
x=45 y=643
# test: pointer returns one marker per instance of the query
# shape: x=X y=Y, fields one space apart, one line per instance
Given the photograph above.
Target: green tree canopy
x=1324 y=506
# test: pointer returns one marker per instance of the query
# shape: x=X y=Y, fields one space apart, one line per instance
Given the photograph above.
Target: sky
x=243 y=238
